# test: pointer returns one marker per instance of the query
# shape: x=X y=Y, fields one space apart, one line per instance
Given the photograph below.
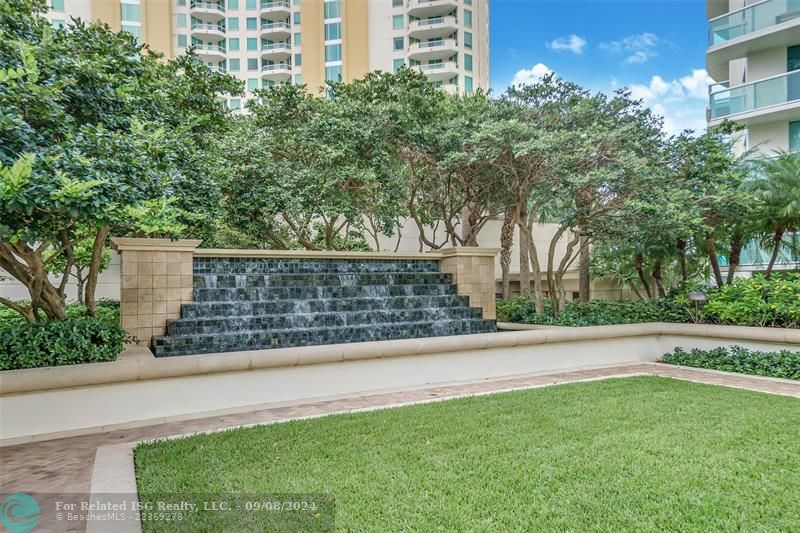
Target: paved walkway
x=65 y=465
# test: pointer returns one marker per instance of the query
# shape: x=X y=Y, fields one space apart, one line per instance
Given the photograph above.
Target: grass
x=639 y=453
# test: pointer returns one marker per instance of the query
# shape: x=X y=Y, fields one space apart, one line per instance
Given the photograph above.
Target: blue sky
x=654 y=47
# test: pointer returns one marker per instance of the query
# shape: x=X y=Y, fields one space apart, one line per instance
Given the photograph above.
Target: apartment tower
x=754 y=58
x=269 y=42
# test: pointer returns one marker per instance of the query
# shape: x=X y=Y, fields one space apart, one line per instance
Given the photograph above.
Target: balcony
x=210 y=11
x=212 y=52
x=439 y=71
x=431 y=8
x=208 y=32
x=276 y=51
x=767 y=24
x=439 y=49
x=279 y=72
x=276 y=31
x=217 y=69
x=433 y=27
x=767 y=100
x=276 y=9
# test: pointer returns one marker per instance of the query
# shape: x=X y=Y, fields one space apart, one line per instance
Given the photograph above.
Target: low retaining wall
x=139 y=389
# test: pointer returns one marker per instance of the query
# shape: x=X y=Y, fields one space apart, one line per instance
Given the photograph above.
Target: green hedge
x=593 y=313
x=78 y=339
x=783 y=364
x=757 y=301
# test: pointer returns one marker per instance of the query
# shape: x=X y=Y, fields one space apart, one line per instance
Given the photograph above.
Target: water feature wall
x=234 y=300
x=250 y=303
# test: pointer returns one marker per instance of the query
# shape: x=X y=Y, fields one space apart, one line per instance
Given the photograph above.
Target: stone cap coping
x=154 y=245
x=138 y=363
x=333 y=254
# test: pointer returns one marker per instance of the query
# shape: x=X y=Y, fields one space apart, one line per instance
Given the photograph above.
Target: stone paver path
x=65 y=465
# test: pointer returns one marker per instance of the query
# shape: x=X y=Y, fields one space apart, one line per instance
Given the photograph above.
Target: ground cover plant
x=640 y=453
x=778 y=364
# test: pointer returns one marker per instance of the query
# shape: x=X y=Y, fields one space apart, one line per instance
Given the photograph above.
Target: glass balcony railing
x=756 y=95
x=750 y=19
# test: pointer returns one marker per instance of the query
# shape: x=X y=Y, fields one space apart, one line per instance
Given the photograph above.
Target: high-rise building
x=268 y=42
x=754 y=58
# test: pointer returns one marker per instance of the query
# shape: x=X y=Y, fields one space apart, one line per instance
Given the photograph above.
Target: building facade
x=269 y=42
x=754 y=58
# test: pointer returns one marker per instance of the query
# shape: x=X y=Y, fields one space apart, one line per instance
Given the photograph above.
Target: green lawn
x=640 y=453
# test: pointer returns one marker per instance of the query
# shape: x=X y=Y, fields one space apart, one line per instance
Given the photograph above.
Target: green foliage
x=107 y=311
x=783 y=364
x=757 y=301
x=60 y=342
x=594 y=312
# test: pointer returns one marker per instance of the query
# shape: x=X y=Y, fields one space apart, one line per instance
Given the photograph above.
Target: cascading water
x=248 y=304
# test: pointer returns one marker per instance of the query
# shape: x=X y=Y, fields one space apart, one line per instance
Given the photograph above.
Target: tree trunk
x=584 y=282
x=524 y=259
x=562 y=269
x=638 y=265
x=777 y=239
x=735 y=257
x=551 y=257
x=711 y=249
x=81 y=282
x=506 y=246
x=533 y=257
x=682 y=260
x=94 y=270
x=656 y=275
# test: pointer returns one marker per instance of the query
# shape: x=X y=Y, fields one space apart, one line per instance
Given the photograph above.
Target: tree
x=93 y=123
x=777 y=184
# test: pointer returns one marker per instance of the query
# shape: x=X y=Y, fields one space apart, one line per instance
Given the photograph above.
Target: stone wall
x=473 y=273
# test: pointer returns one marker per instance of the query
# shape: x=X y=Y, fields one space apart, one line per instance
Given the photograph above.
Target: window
x=397 y=22
x=252 y=63
x=333 y=52
x=333 y=31
x=182 y=41
x=296 y=17
x=467 y=2
x=794 y=136
x=180 y=20
x=250 y=5
x=233 y=23
x=468 y=39
x=181 y=2
x=234 y=104
x=233 y=44
x=468 y=84
x=128 y=12
x=399 y=43
x=57 y=5
x=467 y=18
x=333 y=73
x=468 y=62
x=233 y=65
x=298 y=79
x=58 y=23
x=297 y=39
x=397 y=3
x=252 y=23
x=332 y=9
x=298 y=60
x=233 y=4
x=136 y=31
x=252 y=84
x=267 y=83
x=398 y=64
x=252 y=43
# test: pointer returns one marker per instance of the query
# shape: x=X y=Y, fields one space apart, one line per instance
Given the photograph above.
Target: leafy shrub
x=783 y=364
x=60 y=342
x=593 y=313
x=107 y=310
x=757 y=301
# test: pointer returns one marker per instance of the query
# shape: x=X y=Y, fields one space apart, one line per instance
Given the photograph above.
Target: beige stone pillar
x=156 y=280
x=473 y=273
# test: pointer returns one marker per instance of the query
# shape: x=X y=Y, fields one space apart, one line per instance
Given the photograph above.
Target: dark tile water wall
x=250 y=303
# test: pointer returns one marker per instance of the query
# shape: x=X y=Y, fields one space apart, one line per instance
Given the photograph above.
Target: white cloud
x=531 y=75
x=573 y=43
x=639 y=47
x=682 y=101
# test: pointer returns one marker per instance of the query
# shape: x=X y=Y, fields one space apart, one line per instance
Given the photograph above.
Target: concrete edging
x=138 y=363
